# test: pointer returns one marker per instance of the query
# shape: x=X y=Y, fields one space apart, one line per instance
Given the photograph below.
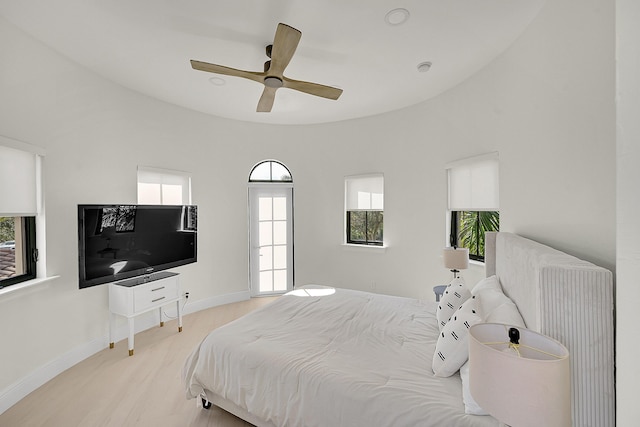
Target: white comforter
x=345 y=359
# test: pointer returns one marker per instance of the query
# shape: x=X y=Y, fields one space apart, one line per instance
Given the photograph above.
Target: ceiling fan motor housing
x=271 y=81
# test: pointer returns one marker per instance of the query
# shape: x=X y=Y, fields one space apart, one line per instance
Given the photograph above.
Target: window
x=270 y=171
x=20 y=166
x=473 y=202
x=468 y=229
x=364 y=207
x=163 y=187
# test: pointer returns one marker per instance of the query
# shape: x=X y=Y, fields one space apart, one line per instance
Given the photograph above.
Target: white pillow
x=471 y=407
x=506 y=313
x=451 y=300
x=494 y=306
x=452 y=348
x=490 y=282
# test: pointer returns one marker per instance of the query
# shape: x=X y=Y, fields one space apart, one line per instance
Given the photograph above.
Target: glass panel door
x=271 y=239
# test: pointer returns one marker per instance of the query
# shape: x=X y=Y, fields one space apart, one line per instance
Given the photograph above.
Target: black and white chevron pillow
x=452 y=348
x=452 y=298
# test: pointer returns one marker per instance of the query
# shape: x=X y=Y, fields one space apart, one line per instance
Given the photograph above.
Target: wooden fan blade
x=284 y=46
x=227 y=71
x=266 y=100
x=312 y=88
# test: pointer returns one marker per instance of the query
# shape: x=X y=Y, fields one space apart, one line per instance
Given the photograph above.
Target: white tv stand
x=132 y=297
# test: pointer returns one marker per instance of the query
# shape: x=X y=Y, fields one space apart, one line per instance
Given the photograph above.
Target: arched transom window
x=270 y=171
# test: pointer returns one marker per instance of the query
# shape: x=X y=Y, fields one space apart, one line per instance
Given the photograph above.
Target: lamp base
x=457 y=281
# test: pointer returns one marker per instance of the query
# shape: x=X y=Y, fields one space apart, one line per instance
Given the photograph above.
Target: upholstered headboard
x=570 y=300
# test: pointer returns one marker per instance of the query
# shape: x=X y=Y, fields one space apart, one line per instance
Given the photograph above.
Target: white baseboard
x=203 y=304
x=21 y=388
x=18 y=390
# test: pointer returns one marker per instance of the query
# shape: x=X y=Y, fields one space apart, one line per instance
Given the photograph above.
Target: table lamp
x=456 y=259
x=520 y=377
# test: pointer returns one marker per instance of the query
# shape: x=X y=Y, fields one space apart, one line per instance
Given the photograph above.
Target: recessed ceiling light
x=217 y=81
x=423 y=67
x=397 y=16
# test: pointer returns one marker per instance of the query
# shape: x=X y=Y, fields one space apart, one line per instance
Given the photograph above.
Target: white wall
x=628 y=251
x=552 y=122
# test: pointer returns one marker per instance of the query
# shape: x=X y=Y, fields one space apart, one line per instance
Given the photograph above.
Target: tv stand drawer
x=135 y=296
x=154 y=294
x=132 y=297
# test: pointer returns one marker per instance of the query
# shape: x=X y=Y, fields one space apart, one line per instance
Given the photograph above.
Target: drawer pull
x=157 y=289
x=157 y=299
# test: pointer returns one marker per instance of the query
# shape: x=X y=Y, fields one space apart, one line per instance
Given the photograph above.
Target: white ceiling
x=146 y=45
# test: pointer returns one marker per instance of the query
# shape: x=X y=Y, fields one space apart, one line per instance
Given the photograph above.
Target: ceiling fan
x=280 y=53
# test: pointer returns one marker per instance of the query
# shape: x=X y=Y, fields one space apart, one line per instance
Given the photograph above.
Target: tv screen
x=120 y=241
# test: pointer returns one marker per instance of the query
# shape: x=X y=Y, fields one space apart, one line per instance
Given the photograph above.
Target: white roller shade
x=473 y=184
x=19 y=179
x=163 y=187
x=364 y=192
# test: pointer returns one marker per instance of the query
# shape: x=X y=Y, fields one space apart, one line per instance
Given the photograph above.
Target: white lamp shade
x=529 y=389
x=456 y=258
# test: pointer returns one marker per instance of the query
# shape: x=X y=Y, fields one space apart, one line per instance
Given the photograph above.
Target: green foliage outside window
x=7 y=229
x=471 y=227
x=365 y=227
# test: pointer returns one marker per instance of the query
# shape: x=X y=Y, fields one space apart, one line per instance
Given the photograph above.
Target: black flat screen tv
x=121 y=241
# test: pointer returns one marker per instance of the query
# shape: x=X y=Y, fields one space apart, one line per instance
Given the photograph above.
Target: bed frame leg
x=206 y=403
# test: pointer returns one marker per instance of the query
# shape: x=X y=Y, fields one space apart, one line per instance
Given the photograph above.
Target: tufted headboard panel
x=570 y=300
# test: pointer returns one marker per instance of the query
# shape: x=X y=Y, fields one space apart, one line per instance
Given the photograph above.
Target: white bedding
x=345 y=359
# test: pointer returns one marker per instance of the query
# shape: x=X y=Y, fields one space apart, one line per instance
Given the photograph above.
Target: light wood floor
x=112 y=389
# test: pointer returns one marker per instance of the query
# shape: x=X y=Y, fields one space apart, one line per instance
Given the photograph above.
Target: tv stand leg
x=179 y=316
x=131 y=333
x=161 y=321
x=112 y=320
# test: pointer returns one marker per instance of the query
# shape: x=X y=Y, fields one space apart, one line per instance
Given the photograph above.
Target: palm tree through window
x=469 y=227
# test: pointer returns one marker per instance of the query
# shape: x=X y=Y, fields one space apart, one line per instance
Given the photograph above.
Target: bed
x=321 y=356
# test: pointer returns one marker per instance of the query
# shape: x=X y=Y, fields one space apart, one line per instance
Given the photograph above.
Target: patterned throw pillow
x=452 y=348
x=452 y=298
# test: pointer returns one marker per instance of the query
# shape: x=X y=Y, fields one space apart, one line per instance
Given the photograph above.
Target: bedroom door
x=270 y=238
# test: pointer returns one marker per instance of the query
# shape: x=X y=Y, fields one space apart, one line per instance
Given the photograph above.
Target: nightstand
x=439 y=290
x=132 y=297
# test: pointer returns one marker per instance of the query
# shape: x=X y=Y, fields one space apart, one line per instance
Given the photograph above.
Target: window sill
x=477 y=263
x=366 y=248
x=26 y=285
